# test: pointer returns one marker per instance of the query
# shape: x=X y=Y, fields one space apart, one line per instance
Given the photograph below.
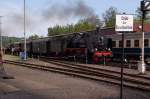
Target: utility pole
x=25 y=49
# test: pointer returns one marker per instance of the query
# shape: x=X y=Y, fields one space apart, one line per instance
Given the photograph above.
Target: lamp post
x=142 y=67
x=145 y=7
x=25 y=49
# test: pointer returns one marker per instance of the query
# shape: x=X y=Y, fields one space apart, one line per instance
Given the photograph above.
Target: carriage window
x=120 y=43
x=136 y=43
x=146 y=42
x=128 y=43
x=113 y=43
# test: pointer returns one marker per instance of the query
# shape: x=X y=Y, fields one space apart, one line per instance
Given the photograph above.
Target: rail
x=138 y=82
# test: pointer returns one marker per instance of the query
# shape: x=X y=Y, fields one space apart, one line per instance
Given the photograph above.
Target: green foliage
x=110 y=17
x=86 y=24
x=9 y=40
x=139 y=16
x=35 y=36
x=89 y=23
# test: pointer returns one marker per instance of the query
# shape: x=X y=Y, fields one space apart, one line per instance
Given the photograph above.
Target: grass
x=12 y=57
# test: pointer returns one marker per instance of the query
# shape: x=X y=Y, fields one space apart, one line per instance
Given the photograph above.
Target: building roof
x=146 y=27
x=108 y=31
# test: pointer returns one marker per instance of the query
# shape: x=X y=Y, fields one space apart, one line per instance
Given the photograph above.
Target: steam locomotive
x=87 y=46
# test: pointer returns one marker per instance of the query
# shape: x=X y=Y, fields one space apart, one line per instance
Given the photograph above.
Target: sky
x=41 y=14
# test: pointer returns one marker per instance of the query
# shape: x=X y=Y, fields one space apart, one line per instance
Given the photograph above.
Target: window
x=128 y=43
x=146 y=42
x=120 y=43
x=113 y=43
x=136 y=43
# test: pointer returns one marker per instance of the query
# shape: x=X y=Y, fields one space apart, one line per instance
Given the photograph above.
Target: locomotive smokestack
x=97 y=29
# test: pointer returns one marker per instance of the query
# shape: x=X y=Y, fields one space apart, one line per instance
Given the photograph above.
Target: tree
x=139 y=15
x=110 y=17
x=85 y=24
x=35 y=36
x=93 y=20
x=10 y=40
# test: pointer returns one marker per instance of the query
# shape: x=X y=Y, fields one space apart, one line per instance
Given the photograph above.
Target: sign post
x=124 y=23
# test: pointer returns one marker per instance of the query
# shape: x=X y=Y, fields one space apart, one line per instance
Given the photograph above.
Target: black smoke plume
x=69 y=10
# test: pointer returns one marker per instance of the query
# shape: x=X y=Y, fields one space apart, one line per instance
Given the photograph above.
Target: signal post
x=145 y=7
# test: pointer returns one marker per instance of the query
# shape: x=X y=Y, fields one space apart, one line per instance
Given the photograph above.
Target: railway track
x=130 y=65
x=130 y=80
x=54 y=61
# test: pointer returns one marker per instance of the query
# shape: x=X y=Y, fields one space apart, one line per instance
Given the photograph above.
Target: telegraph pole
x=25 y=49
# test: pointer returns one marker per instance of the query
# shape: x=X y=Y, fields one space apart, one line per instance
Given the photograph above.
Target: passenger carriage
x=132 y=45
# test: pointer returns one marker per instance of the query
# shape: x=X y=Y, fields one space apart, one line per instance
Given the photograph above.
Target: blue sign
x=22 y=55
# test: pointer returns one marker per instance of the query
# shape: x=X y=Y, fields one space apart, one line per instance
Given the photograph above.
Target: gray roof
x=128 y=36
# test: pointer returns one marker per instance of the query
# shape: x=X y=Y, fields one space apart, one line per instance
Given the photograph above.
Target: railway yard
x=53 y=79
x=74 y=50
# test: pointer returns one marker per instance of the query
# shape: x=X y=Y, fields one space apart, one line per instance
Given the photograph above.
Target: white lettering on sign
x=124 y=23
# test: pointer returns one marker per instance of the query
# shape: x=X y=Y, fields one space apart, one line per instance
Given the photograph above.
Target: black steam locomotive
x=90 y=45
